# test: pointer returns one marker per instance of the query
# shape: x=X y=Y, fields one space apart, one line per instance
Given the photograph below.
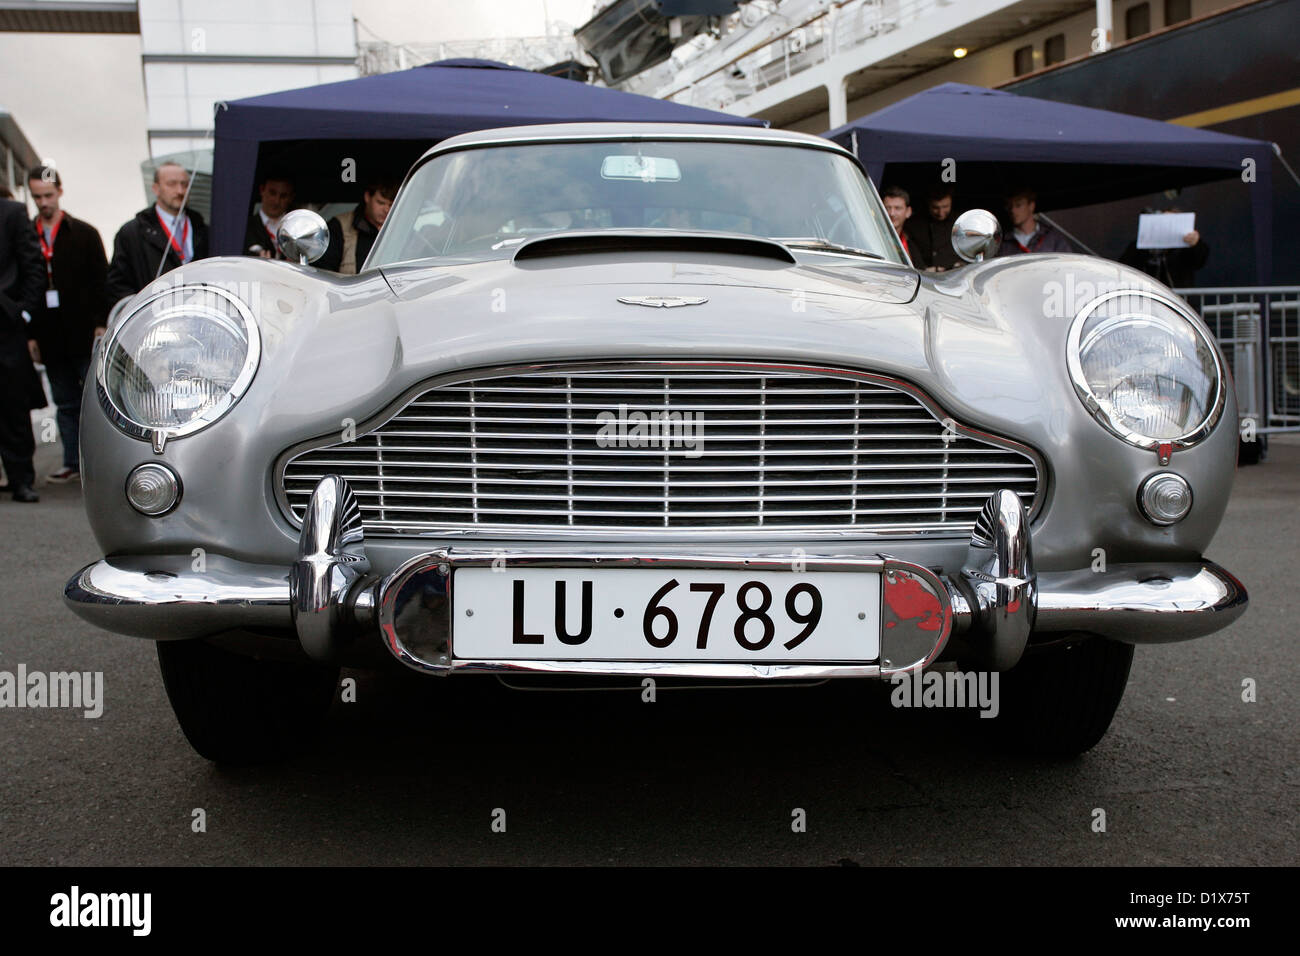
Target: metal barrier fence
x=1258 y=328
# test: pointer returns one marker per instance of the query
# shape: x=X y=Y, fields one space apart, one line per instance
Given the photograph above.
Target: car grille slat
x=777 y=451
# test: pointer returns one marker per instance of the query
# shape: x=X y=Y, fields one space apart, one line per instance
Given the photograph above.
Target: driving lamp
x=178 y=361
x=1146 y=368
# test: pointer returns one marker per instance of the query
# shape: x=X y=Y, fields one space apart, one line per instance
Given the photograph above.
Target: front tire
x=235 y=709
x=1059 y=700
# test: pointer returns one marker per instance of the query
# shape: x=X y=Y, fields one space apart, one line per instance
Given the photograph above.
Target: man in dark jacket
x=1176 y=268
x=931 y=235
x=353 y=233
x=275 y=198
x=73 y=311
x=163 y=232
x=22 y=276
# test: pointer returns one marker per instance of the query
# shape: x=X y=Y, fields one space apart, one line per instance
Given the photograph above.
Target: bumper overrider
x=330 y=598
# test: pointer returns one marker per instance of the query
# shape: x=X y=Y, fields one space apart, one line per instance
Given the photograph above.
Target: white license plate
x=677 y=614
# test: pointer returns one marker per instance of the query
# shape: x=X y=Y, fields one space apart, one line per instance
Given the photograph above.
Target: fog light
x=1165 y=498
x=153 y=489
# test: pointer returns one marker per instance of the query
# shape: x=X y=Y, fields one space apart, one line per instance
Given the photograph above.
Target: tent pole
x=1065 y=232
x=1277 y=151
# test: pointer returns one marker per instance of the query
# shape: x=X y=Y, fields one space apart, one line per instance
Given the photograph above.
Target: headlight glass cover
x=1146 y=367
x=178 y=361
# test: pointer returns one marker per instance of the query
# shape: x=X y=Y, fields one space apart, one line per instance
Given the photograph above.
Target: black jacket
x=366 y=235
x=22 y=281
x=80 y=272
x=255 y=234
x=139 y=246
x=1176 y=268
x=931 y=242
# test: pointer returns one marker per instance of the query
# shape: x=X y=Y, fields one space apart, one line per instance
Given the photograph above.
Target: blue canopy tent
x=1070 y=155
x=384 y=122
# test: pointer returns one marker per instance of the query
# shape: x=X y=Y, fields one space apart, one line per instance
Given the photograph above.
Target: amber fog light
x=1165 y=499
x=153 y=489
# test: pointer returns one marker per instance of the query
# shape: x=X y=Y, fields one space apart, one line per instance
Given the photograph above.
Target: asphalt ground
x=417 y=770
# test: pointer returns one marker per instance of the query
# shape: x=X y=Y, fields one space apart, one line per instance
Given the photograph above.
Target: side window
x=1137 y=21
x=1054 y=49
x=1024 y=60
x=1176 y=11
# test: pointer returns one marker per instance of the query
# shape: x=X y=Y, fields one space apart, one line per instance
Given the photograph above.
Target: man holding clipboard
x=1168 y=248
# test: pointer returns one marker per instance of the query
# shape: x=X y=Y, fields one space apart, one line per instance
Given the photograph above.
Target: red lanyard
x=47 y=250
x=185 y=235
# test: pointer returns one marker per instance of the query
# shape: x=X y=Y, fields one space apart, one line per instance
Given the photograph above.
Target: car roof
x=624 y=130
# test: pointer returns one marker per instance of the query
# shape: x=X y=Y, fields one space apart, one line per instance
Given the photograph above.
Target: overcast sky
x=79 y=98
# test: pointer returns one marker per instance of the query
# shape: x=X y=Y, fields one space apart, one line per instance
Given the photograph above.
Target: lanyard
x=171 y=240
x=47 y=250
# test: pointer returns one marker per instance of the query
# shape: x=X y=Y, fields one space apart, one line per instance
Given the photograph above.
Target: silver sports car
x=645 y=403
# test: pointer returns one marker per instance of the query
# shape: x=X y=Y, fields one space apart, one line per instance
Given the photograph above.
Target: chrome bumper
x=328 y=597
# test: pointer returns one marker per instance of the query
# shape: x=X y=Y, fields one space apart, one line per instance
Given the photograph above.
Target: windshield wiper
x=824 y=245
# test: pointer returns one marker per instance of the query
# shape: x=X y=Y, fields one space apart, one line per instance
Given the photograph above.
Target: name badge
x=51 y=298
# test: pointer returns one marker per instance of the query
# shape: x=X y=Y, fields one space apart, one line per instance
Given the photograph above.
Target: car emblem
x=663 y=301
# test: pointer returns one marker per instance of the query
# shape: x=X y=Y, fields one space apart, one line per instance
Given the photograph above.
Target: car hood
x=838 y=275
x=353 y=345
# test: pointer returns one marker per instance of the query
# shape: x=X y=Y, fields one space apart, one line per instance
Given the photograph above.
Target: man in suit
x=164 y=232
x=22 y=278
x=275 y=195
x=75 y=307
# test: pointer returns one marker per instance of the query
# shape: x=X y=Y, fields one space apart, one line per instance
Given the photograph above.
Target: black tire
x=236 y=709
x=1059 y=700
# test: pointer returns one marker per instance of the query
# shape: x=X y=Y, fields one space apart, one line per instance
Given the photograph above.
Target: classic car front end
x=652 y=402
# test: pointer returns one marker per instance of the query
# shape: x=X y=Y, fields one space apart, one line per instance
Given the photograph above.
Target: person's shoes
x=64 y=475
x=25 y=493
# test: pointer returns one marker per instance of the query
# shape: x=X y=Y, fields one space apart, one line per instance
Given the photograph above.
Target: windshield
x=482 y=203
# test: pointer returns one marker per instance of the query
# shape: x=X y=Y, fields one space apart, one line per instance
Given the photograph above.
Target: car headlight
x=178 y=362
x=1147 y=369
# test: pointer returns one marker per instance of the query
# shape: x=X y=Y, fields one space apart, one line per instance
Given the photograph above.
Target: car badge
x=663 y=301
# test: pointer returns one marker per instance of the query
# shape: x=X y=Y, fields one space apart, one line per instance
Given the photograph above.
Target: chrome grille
x=777 y=451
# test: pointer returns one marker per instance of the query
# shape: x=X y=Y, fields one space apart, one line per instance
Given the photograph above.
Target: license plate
x=679 y=614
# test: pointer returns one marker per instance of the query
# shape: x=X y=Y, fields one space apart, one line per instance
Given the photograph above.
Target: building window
x=1176 y=11
x=1137 y=21
x=1024 y=60
x=1054 y=49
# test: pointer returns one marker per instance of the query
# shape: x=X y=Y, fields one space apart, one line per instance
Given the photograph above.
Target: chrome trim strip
x=655 y=366
x=1074 y=365
x=612 y=136
x=1141 y=603
x=164 y=597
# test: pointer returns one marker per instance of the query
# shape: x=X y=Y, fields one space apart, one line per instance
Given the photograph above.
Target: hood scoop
x=666 y=241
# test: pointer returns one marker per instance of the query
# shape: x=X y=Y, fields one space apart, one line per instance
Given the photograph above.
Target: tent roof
x=441 y=99
x=971 y=122
x=425 y=103
x=1069 y=155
